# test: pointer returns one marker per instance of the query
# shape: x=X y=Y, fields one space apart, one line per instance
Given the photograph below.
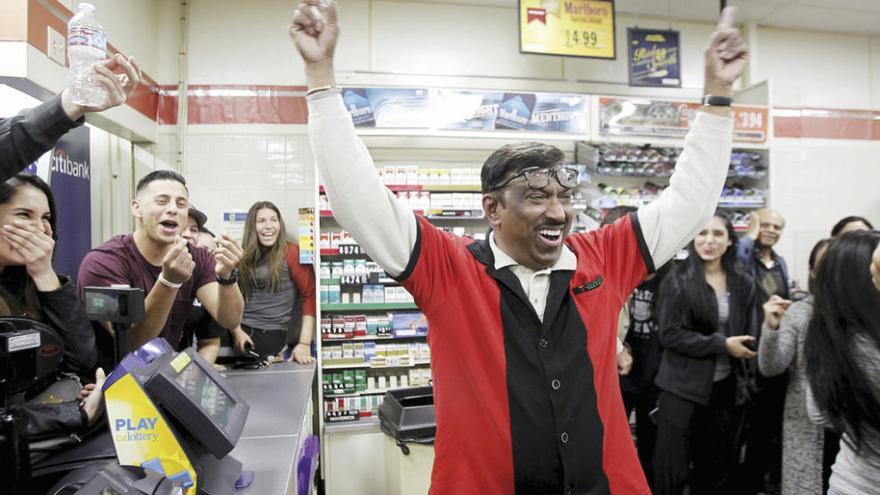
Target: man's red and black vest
x=522 y=406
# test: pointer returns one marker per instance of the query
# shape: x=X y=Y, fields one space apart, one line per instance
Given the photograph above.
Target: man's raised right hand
x=178 y=264
x=314 y=30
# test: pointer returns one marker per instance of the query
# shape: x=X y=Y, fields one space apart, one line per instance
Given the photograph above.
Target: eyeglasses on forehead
x=539 y=178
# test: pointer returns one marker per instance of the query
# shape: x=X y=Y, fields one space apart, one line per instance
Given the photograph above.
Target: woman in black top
x=707 y=324
x=29 y=287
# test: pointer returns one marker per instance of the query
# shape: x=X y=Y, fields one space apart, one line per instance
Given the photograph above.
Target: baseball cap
x=200 y=217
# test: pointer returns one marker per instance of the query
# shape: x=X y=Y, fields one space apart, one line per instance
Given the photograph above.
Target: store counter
x=280 y=418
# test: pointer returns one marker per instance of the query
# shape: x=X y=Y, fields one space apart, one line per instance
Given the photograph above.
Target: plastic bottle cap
x=87 y=6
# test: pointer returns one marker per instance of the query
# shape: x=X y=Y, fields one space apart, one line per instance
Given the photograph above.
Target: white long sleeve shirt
x=386 y=228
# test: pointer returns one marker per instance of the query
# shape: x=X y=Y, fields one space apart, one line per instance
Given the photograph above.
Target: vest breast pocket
x=592 y=284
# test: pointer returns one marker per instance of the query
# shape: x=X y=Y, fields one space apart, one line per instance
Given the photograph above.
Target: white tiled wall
x=131 y=27
x=229 y=171
x=790 y=58
x=815 y=183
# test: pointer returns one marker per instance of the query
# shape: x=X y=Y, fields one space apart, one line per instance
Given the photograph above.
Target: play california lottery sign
x=577 y=28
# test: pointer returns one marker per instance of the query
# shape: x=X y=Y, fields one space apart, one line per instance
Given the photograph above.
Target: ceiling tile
x=658 y=8
x=825 y=19
x=694 y=11
x=867 y=5
x=757 y=10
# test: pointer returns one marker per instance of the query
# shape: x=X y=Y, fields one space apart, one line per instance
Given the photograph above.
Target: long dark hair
x=686 y=284
x=255 y=253
x=835 y=231
x=844 y=332
x=18 y=274
x=814 y=255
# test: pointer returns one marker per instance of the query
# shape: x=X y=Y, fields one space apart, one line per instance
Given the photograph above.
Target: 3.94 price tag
x=750 y=123
x=749 y=120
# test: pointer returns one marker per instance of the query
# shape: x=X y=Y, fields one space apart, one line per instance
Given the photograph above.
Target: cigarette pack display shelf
x=622 y=166
x=338 y=308
x=418 y=362
x=381 y=391
x=455 y=213
x=451 y=188
x=437 y=214
x=604 y=174
x=352 y=390
x=427 y=187
x=605 y=202
x=329 y=213
x=660 y=142
x=372 y=338
x=339 y=252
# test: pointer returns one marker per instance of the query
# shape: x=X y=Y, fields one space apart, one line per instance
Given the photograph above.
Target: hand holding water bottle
x=118 y=75
x=95 y=83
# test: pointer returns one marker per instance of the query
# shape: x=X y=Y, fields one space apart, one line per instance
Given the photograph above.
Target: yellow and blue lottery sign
x=142 y=437
x=575 y=28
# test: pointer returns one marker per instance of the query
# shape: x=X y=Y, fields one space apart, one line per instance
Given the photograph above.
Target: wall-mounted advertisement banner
x=576 y=28
x=672 y=119
x=654 y=58
x=407 y=108
x=70 y=178
x=497 y=110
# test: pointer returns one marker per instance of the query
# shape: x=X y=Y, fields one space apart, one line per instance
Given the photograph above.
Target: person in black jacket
x=26 y=136
x=29 y=287
x=707 y=373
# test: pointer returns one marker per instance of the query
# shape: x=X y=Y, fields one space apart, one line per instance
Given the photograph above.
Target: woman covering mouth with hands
x=271 y=279
x=30 y=288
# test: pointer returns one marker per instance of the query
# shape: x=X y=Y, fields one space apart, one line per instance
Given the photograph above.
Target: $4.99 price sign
x=577 y=28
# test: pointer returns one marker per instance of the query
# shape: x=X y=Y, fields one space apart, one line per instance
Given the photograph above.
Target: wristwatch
x=233 y=278
x=716 y=101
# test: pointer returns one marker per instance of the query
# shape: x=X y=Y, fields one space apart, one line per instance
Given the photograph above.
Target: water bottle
x=86 y=45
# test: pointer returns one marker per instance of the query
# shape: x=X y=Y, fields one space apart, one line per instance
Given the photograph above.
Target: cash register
x=168 y=412
x=174 y=414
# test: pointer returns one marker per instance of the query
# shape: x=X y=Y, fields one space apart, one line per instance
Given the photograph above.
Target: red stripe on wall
x=166 y=113
x=236 y=104
x=826 y=123
x=39 y=17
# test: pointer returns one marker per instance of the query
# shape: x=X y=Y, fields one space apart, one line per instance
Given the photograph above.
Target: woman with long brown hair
x=271 y=279
x=30 y=288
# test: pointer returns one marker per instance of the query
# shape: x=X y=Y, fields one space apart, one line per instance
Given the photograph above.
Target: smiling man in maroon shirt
x=157 y=259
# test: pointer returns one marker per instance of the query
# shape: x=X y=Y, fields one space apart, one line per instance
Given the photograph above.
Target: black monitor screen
x=189 y=388
x=205 y=392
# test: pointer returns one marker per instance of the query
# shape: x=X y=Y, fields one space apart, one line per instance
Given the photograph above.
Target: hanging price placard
x=578 y=28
